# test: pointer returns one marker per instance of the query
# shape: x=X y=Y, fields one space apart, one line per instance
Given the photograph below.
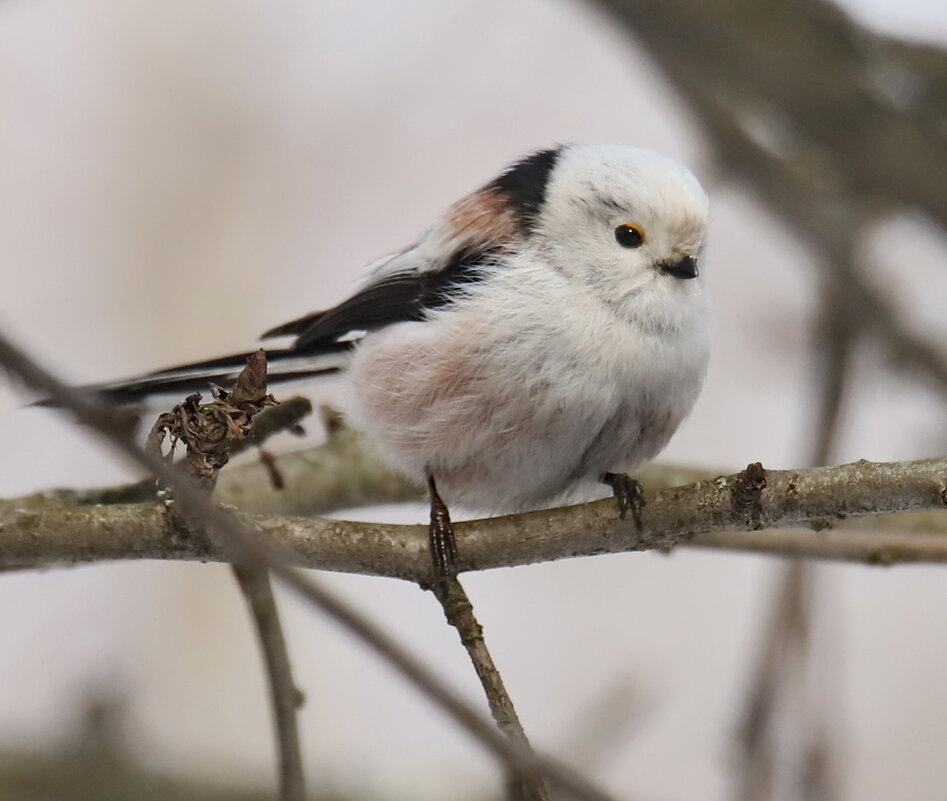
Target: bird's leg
x=628 y=493
x=441 y=538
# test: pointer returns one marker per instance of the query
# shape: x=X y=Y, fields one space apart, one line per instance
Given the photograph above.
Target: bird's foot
x=629 y=494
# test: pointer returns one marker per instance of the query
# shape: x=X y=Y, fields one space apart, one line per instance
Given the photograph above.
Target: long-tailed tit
x=548 y=333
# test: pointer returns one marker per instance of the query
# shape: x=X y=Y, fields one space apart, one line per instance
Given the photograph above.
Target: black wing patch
x=524 y=185
x=393 y=298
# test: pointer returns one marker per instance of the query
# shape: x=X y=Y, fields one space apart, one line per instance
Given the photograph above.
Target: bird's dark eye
x=629 y=235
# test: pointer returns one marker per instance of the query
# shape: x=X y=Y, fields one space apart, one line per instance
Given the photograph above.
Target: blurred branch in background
x=833 y=127
x=285 y=697
x=812 y=772
x=92 y=763
x=600 y=733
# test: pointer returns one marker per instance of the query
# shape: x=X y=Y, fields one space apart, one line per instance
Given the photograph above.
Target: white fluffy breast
x=530 y=386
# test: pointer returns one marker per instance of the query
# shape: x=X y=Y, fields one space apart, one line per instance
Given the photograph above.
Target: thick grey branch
x=341 y=473
x=698 y=513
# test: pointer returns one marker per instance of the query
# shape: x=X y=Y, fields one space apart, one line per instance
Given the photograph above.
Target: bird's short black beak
x=684 y=268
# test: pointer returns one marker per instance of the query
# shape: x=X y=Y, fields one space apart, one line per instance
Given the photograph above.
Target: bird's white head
x=626 y=224
x=629 y=224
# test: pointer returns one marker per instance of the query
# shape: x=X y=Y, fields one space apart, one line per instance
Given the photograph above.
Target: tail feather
x=286 y=364
x=293 y=327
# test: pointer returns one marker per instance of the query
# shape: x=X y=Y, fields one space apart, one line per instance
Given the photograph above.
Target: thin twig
x=285 y=697
x=460 y=614
x=274 y=420
x=242 y=545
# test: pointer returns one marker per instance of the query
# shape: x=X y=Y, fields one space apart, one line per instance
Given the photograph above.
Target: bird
x=545 y=336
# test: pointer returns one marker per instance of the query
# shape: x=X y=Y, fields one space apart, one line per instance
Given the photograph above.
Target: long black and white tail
x=283 y=364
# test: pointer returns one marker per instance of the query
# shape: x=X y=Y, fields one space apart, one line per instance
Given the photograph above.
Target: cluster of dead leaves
x=209 y=429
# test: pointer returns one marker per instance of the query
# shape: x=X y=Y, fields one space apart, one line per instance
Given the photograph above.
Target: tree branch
x=342 y=473
x=460 y=614
x=703 y=514
x=285 y=697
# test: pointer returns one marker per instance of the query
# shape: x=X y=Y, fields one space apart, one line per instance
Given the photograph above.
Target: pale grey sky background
x=180 y=176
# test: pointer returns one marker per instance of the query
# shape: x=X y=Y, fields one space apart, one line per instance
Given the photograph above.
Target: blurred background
x=178 y=177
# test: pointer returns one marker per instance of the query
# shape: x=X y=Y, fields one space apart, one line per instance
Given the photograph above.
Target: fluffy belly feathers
x=506 y=423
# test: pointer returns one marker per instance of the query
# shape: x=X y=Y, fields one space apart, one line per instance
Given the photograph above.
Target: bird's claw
x=629 y=494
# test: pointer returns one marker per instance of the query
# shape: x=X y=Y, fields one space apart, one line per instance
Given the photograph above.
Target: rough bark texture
x=815 y=499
